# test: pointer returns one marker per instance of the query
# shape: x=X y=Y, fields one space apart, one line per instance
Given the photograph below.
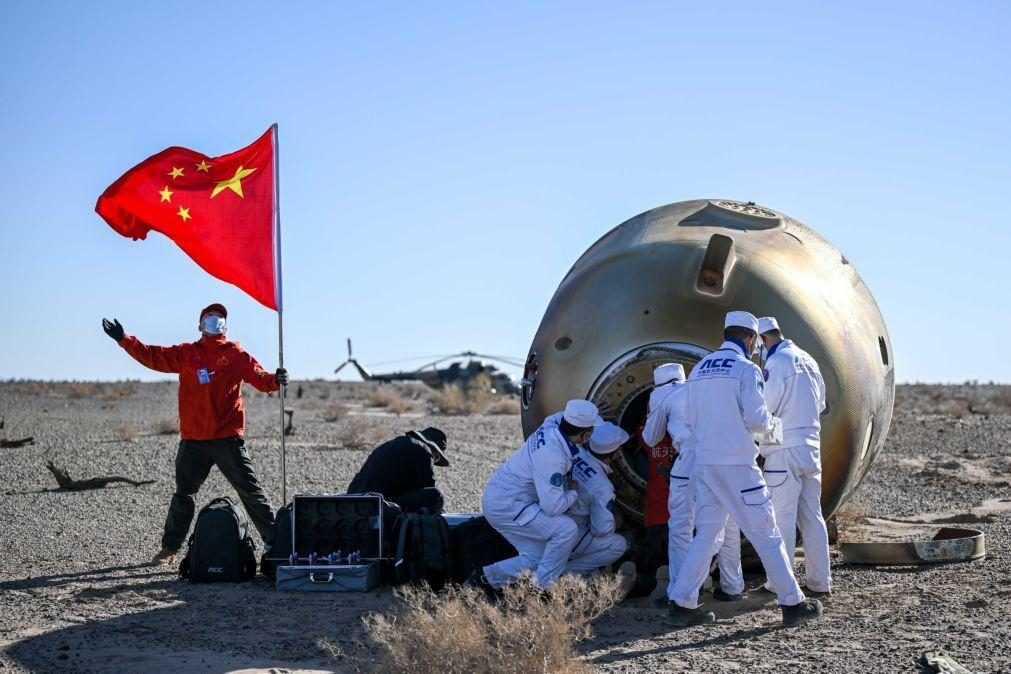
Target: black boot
x=827 y=594
x=809 y=609
x=685 y=617
x=720 y=595
x=479 y=581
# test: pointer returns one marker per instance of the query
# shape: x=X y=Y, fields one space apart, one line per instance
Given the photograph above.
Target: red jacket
x=659 y=460
x=210 y=410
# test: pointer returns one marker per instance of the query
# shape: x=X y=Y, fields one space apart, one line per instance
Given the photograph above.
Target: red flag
x=219 y=210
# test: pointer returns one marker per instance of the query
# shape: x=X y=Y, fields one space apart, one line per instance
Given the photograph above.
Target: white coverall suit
x=795 y=392
x=724 y=407
x=597 y=544
x=666 y=414
x=526 y=499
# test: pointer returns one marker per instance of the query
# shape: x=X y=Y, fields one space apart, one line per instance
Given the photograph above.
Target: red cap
x=220 y=308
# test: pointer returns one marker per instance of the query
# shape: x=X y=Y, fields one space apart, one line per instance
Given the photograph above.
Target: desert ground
x=77 y=594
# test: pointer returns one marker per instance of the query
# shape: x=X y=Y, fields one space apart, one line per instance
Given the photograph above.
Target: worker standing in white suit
x=666 y=414
x=795 y=392
x=527 y=497
x=724 y=408
x=597 y=544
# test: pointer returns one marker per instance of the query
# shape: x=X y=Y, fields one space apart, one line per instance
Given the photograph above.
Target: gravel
x=76 y=593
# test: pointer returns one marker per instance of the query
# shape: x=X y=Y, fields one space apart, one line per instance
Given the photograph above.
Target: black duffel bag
x=220 y=549
x=424 y=551
x=476 y=544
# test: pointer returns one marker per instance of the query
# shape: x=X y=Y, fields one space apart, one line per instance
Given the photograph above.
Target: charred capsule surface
x=655 y=289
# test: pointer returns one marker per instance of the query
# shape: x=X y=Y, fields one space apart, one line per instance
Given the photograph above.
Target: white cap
x=741 y=319
x=607 y=438
x=668 y=372
x=582 y=414
x=767 y=323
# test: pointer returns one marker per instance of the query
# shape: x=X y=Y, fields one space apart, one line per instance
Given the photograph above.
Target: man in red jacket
x=212 y=419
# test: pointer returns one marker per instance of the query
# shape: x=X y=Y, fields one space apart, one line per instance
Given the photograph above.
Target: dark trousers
x=193 y=464
x=414 y=501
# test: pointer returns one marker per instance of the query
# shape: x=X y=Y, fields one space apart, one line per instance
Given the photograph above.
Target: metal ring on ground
x=949 y=545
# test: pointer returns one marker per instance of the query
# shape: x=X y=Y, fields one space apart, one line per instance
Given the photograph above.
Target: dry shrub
x=37 y=388
x=127 y=433
x=360 y=433
x=505 y=406
x=458 y=631
x=167 y=426
x=391 y=400
x=474 y=399
x=119 y=389
x=1002 y=400
x=82 y=389
x=335 y=412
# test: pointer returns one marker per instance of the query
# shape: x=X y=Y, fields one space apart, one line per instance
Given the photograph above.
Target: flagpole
x=279 y=293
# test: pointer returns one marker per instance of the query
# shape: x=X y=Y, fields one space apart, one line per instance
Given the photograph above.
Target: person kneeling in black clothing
x=403 y=471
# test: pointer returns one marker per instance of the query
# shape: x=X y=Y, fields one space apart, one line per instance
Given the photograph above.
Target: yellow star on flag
x=203 y=166
x=176 y=172
x=166 y=194
x=184 y=213
x=232 y=183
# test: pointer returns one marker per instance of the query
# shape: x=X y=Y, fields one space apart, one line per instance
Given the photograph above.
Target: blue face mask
x=212 y=325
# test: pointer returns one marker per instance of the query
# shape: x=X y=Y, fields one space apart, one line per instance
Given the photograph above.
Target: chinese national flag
x=219 y=210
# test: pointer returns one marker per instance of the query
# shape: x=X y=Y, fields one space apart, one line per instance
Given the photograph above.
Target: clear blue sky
x=444 y=164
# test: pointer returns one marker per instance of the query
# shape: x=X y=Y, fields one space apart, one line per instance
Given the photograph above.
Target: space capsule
x=655 y=289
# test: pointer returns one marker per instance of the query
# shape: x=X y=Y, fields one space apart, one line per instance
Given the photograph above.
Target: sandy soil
x=76 y=593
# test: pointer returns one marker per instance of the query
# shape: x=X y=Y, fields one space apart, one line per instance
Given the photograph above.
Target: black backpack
x=424 y=551
x=220 y=549
x=280 y=544
x=477 y=544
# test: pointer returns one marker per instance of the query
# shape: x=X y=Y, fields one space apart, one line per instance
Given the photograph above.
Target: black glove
x=281 y=375
x=113 y=329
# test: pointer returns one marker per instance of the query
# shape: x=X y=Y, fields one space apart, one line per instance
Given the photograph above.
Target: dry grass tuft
x=335 y=412
x=474 y=399
x=167 y=426
x=82 y=389
x=391 y=400
x=360 y=433
x=127 y=433
x=458 y=631
x=505 y=406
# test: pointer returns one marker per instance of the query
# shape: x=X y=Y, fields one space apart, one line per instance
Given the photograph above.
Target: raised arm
x=160 y=358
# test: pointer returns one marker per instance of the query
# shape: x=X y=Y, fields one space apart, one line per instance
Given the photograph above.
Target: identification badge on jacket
x=204 y=376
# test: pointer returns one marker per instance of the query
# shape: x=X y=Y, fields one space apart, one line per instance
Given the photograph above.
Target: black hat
x=220 y=308
x=435 y=440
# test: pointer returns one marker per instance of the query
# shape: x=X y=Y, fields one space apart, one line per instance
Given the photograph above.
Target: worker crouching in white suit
x=527 y=497
x=724 y=408
x=597 y=544
x=795 y=392
x=666 y=415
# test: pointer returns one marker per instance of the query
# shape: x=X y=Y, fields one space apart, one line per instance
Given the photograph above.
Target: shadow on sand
x=165 y=624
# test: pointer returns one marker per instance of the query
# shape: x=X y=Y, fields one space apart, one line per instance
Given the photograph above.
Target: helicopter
x=457 y=372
